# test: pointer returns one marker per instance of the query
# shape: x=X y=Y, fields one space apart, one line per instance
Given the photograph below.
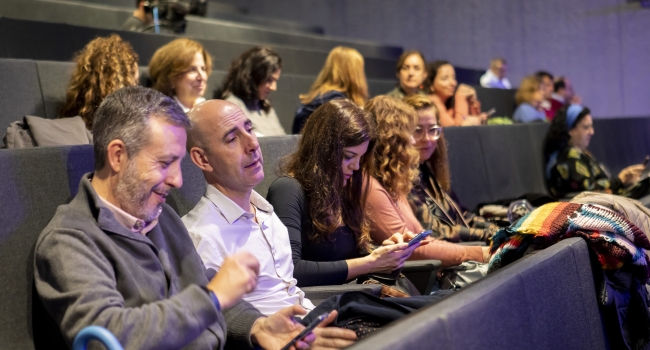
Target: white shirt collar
x=185 y=108
x=231 y=211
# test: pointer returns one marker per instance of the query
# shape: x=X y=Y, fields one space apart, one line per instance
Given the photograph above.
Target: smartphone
x=419 y=237
x=306 y=331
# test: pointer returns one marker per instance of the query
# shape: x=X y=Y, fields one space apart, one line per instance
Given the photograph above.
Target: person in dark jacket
x=320 y=200
x=342 y=76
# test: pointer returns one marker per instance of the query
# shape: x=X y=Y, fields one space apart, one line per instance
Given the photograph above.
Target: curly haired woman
x=103 y=66
x=394 y=173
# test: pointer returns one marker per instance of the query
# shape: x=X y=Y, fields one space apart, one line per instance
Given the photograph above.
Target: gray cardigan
x=90 y=270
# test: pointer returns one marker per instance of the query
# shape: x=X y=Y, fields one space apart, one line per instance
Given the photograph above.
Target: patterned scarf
x=614 y=239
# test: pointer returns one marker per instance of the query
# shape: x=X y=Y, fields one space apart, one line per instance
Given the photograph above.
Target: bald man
x=231 y=217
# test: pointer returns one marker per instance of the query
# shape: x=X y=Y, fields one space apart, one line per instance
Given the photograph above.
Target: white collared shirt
x=185 y=108
x=491 y=80
x=219 y=227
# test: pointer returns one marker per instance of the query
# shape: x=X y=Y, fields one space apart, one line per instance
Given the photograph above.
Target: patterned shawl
x=614 y=239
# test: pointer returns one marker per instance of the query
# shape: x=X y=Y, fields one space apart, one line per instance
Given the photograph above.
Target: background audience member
x=251 y=79
x=142 y=19
x=342 y=76
x=180 y=70
x=411 y=72
x=446 y=217
x=570 y=167
x=328 y=229
x=546 y=84
x=495 y=77
x=563 y=94
x=456 y=107
x=393 y=175
x=529 y=96
x=103 y=66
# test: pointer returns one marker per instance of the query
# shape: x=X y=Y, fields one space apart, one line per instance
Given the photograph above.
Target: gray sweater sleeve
x=77 y=285
x=240 y=319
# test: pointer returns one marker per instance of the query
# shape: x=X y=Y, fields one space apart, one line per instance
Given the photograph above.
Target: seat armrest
x=319 y=293
x=422 y=273
x=473 y=243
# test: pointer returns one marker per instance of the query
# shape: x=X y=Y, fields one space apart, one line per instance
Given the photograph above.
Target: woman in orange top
x=394 y=172
x=458 y=105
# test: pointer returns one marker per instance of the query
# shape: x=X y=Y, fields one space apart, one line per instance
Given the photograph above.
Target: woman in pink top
x=457 y=107
x=394 y=172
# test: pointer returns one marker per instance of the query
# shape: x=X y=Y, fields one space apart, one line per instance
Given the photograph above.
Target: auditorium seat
x=41 y=41
x=111 y=18
x=546 y=300
x=19 y=90
x=54 y=78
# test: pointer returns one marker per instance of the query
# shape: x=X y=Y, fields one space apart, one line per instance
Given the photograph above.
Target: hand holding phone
x=419 y=237
x=306 y=331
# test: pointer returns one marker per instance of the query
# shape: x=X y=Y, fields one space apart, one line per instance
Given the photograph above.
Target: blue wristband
x=215 y=300
x=213 y=297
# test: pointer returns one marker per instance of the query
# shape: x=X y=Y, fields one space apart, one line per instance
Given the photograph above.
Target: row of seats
x=548 y=293
x=42 y=41
x=112 y=18
x=38 y=88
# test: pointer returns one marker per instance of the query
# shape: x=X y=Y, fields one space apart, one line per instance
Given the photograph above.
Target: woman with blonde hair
x=394 y=173
x=342 y=76
x=103 y=66
x=529 y=98
x=180 y=70
x=432 y=200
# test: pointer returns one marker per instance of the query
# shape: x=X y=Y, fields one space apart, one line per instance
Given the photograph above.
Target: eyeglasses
x=433 y=133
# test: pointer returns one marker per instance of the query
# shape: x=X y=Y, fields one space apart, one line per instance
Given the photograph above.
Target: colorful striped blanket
x=614 y=239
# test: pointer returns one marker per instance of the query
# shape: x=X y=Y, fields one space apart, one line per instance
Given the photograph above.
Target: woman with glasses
x=393 y=174
x=433 y=202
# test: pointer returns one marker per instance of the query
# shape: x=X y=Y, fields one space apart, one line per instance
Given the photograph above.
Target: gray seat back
x=543 y=301
x=35 y=182
x=273 y=149
x=20 y=91
x=54 y=78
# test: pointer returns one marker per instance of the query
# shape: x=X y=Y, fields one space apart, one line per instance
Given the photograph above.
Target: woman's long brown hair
x=317 y=163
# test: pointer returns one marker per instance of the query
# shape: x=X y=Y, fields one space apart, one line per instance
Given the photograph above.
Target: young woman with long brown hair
x=432 y=200
x=103 y=66
x=394 y=173
x=342 y=76
x=322 y=196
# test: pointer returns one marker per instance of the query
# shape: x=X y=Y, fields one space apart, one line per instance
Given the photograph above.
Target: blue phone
x=419 y=237
x=306 y=331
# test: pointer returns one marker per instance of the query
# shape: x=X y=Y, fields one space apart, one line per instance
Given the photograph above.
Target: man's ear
x=117 y=157
x=199 y=158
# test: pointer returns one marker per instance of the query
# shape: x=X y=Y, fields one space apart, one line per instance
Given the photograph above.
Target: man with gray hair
x=117 y=256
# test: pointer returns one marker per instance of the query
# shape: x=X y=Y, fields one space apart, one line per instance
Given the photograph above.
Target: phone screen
x=419 y=237
x=306 y=331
